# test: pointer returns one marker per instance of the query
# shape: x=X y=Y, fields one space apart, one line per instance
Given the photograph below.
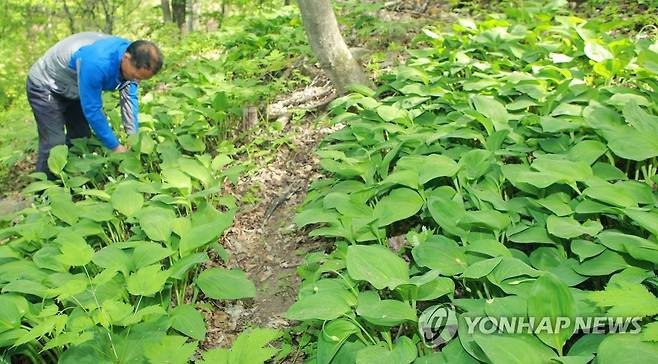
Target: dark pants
x=58 y=121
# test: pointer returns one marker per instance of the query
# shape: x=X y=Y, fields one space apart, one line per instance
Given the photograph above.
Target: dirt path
x=11 y=203
x=263 y=240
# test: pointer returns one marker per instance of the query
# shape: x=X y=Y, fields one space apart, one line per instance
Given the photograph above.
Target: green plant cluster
x=509 y=169
x=108 y=264
x=246 y=63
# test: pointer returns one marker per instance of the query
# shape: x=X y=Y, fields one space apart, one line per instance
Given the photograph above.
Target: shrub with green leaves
x=509 y=169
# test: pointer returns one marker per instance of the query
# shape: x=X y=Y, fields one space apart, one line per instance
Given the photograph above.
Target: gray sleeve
x=129 y=108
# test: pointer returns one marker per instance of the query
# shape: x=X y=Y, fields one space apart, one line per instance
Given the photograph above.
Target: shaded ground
x=12 y=182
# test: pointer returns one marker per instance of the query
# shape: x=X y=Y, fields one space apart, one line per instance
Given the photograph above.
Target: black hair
x=145 y=54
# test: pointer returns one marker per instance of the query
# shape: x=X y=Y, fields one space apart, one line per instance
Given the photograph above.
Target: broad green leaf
x=220 y=283
x=493 y=110
x=563 y=169
x=635 y=246
x=177 y=179
x=611 y=194
x=63 y=207
x=191 y=143
x=38 y=186
x=57 y=158
x=156 y=222
x=436 y=288
x=481 y=268
x=112 y=257
x=508 y=306
x=27 y=287
x=377 y=265
x=170 y=349
x=514 y=349
x=572 y=359
x=625 y=141
x=568 y=227
x=586 y=249
x=556 y=205
x=251 y=346
x=642 y=121
x=650 y=332
x=588 y=151
x=597 y=52
x=386 y=312
x=491 y=219
x=333 y=335
x=390 y=113
x=586 y=345
x=441 y=254
x=127 y=200
x=404 y=352
x=603 y=264
x=533 y=235
x=320 y=306
x=148 y=253
x=74 y=249
x=488 y=247
x=648 y=59
x=446 y=213
x=180 y=268
x=195 y=169
x=10 y=316
x=626 y=349
x=315 y=216
x=428 y=167
x=147 y=281
x=188 y=321
x=646 y=219
x=403 y=177
x=476 y=162
x=201 y=235
x=550 y=299
x=400 y=204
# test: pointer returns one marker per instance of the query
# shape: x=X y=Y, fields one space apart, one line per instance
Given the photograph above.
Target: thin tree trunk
x=108 y=11
x=193 y=11
x=328 y=44
x=196 y=10
x=178 y=13
x=166 y=11
x=70 y=18
x=222 y=14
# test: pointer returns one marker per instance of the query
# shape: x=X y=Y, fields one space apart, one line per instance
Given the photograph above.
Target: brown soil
x=16 y=177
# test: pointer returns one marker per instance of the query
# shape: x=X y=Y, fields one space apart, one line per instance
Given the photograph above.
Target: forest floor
x=263 y=241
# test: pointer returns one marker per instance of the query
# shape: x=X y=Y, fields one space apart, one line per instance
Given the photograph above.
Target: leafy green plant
x=507 y=169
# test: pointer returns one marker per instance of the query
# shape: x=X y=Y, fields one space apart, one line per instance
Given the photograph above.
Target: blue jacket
x=82 y=66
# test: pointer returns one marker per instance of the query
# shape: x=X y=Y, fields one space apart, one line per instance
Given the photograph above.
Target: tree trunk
x=193 y=11
x=222 y=14
x=109 y=8
x=328 y=45
x=196 y=10
x=70 y=18
x=166 y=11
x=178 y=13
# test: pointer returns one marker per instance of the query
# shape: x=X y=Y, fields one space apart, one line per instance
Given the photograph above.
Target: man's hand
x=120 y=149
